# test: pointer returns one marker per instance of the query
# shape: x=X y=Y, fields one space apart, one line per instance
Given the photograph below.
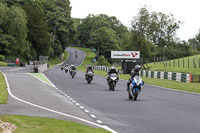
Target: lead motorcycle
x=89 y=77
x=112 y=81
x=135 y=87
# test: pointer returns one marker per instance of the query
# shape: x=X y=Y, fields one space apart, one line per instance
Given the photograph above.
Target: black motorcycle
x=62 y=67
x=72 y=73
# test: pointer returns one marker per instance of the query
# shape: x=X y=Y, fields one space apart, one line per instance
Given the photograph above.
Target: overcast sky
x=187 y=11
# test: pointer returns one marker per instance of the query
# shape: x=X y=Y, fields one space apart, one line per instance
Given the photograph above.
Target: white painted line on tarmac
x=73 y=101
x=48 y=80
x=87 y=111
x=93 y=116
x=57 y=112
x=81 y=107
x=77 y=104
x=100 y=122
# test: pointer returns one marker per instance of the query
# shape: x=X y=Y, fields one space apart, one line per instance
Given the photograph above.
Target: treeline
x=30 y=28
x=152 y=33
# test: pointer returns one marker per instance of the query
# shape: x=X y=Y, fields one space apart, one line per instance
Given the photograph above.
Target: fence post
x=188 y=62
x=183 y=63
x=193 y=63
x=178 y=63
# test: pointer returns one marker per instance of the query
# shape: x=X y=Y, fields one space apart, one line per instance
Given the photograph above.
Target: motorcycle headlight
x=131 y=85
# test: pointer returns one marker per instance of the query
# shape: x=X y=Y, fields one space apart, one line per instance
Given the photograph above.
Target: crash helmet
x=113 y=69
x=137 y=68
x=89 y=67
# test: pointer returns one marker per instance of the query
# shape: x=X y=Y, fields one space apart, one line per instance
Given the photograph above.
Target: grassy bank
x=3 y=64
x=183 y=65
x=3 y=90
x=27 y=124
x=194 y=87
x=58 y=60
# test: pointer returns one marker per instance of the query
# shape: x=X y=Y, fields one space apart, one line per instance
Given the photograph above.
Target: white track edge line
x=52 y=85
x=57 y=112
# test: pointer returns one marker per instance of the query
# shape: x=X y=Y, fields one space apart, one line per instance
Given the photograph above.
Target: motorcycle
x=89 y=77
x=112 y=81
x=62 y=67
x=72 y=73
x=66 y=69
x=135 y=88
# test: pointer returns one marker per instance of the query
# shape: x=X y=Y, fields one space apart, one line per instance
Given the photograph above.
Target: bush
x=2 y=58
x=103 y=61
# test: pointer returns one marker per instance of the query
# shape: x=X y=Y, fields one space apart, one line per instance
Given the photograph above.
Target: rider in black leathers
x=112 y=70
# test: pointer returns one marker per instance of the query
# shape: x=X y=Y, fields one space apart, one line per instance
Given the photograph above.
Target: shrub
x=103 y=61
x=2 y=58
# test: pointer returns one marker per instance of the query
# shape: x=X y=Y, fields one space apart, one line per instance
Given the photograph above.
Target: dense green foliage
x=2 y=58
x=13 y=31
x=32 y=28
x=101 y=32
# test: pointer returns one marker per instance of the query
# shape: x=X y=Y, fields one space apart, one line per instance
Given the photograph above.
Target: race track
x=157 y=110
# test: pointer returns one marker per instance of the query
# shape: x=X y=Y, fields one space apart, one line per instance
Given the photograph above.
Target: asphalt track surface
x=158 y=110
x=30 y=89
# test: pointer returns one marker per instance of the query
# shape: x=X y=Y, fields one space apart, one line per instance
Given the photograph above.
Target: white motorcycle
x=112 y=81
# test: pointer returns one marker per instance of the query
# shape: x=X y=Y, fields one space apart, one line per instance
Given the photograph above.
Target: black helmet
x=112 y=68
x=137 y=68
x=89 y=67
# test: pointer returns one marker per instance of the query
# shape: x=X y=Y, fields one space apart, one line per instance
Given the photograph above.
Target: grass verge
x=3 y=90
x=27 y=124
x=58 y=60
x=3 y=64
x=41 y=77
x=193 y=87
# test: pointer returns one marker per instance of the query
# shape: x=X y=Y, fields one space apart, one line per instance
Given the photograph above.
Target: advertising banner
x=125 y=54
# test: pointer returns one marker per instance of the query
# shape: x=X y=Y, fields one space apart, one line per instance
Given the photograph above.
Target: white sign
x=125 y=54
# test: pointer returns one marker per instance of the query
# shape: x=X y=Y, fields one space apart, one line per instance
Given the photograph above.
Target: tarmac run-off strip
x=60 y=113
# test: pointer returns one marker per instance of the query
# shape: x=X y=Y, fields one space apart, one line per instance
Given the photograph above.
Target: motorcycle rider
x=134 y=72
x=66 y=67
x=89 y=68
x=72 y=68
x=76 y=55
x=62 y=66
x=111 y=71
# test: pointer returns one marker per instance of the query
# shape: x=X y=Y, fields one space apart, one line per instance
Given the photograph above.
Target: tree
x=38 y=34
x=104 y=39
x=93 y=22
x=58 y=14
x=13 y=32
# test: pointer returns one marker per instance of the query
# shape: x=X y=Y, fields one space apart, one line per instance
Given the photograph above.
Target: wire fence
x=190 y=62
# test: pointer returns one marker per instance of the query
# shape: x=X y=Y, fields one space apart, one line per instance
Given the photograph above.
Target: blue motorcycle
x=135 y=88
